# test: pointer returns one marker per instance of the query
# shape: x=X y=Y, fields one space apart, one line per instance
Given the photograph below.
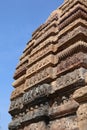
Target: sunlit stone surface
x=50 y=81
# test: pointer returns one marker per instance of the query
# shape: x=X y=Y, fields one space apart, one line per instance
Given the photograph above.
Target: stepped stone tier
x=50 y=86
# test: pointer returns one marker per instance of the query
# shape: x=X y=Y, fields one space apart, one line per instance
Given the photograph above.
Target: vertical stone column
x=82 y=116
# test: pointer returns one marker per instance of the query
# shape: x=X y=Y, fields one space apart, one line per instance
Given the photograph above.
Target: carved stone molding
x=50 y=40
x=51 y=31
x=18 y=91
x=20 y=70
x=70 y=36
x=44 y=76
x=16 y=104
x=44 y=30
x=19 y=81
x=34 y=114
x=62 y=109
x=49 y=60
x=42 y=53
x=80 y=12
x=76 y=23
x=75 y=61
x=68 y=5
x=77 y=47
x=36 y=93
x=50 y=22
x=80 y=94
x=38 y=112
x=71 y=79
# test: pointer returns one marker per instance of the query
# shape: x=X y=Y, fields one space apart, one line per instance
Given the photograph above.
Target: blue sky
x=18 y=19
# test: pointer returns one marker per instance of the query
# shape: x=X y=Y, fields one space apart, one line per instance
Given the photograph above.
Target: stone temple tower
x=50 y=86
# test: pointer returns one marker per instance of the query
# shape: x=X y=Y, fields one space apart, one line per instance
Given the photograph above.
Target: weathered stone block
x=82 y=116
x=72 y=62
x=74 y=78
x=67 y=123
x=36 y=126
x=49 y=60
x=48 y=49
x=19 y=81
x=80 y=94
x=63 y=110
x=43 y=76
x=36 y=93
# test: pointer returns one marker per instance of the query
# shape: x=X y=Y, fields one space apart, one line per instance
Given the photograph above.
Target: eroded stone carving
x=45 y=74
x=37 y=92
x=72 y=34
x=80 y=45
x=50 y=32
x=48 y=49
x=16 y=104
x=47 y=61
x=78 y=59
x=74 y=78
x=50 y=40
x=67 y=6
x=65 y=21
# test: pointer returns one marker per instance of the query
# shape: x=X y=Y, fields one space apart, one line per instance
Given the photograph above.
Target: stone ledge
x=80 y=95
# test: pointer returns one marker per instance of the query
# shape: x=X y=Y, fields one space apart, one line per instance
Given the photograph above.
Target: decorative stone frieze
x=72 y=35
x=30 y=96
x=36 y=93
x=49 y=60
x=80 y=12
x=74 y=79
x=50 y=48
x=77 y=47
x=67 y=6
x=43 y=76
x=50 y=40
x=75 y=61
x=45 y=35
x=72 y=26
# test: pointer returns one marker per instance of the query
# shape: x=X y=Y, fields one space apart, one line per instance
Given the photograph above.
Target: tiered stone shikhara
x=50 y=81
